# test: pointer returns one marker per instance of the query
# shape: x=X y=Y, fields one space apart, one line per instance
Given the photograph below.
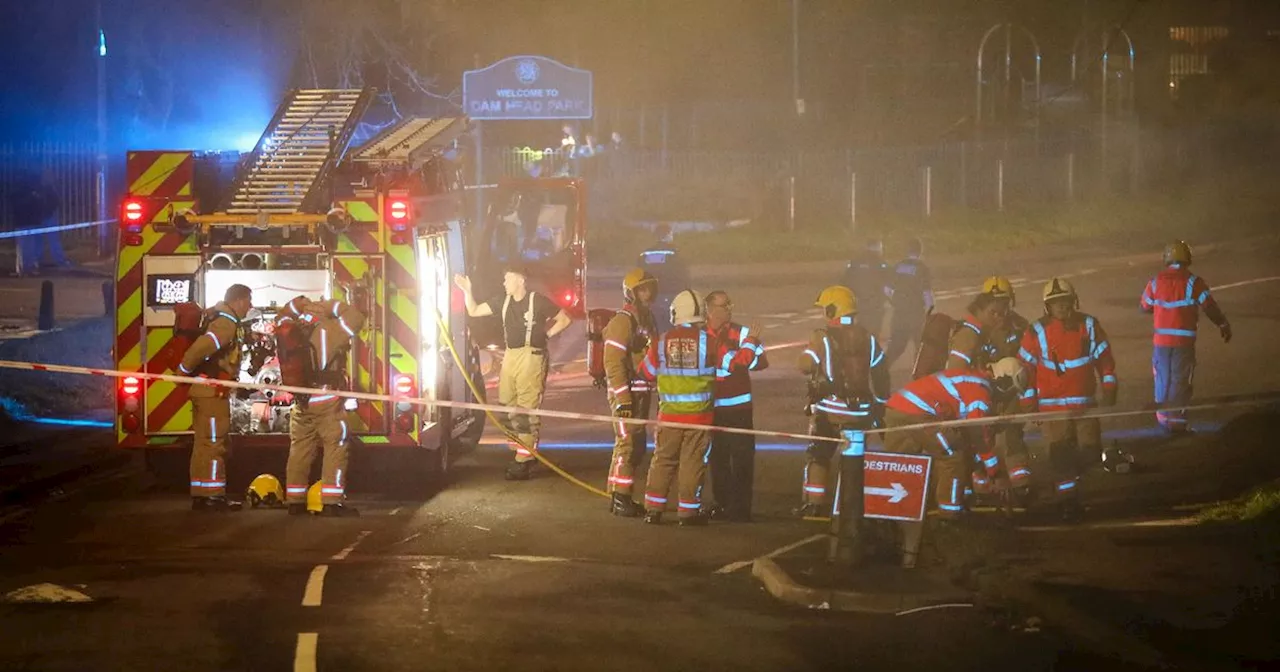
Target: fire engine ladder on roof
x=410 y=140
x=287 y=171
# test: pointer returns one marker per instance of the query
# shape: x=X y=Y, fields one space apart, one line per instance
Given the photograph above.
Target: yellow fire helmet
x=314 y=503
x=999 y=287
x=265 y=490
x=1177 y=252
x=837 y=301
x=634 y=278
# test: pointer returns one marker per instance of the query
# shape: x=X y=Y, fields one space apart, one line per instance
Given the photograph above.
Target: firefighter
x=970 y=337
x=732 y=458
x=848 y=385
x=626 y=342
x=1004 y=340
x=317 y=422
x=1068 y=354
x=867 y=275
x=911 y=296
x=683 y=362
x=215 y=354
x=664 y=262
x=1176 y=296
x=953 y=394
x=523 y=377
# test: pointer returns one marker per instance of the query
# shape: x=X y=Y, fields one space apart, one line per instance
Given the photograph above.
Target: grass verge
x=1225 y=207
x=1262 y=504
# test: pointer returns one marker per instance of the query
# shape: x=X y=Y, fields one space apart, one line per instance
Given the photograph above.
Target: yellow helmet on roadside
x=265 y=490
x=634 y=279
x=1177 y=252
x=315 y=503
x=999 y=287
x=837 y=301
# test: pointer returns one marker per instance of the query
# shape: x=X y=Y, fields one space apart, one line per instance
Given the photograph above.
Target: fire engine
x=383 y=227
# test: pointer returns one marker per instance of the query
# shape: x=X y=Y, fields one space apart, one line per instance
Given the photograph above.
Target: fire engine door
x=359 y=281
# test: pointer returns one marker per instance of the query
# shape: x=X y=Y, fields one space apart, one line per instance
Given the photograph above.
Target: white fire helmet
x=686 y=308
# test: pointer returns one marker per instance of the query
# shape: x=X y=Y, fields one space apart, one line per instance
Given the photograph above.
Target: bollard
x=846 y=513
x=108 y=301
x=44 y=322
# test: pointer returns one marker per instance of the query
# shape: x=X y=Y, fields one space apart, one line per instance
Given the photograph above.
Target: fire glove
x=1225 y=329
x=1108 y=397
x=622 y=410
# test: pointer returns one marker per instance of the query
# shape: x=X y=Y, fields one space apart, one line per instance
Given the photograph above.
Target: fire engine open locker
x=293 y=219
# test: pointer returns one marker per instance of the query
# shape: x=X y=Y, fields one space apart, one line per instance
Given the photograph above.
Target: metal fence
x=72 y=170
x=819 y=188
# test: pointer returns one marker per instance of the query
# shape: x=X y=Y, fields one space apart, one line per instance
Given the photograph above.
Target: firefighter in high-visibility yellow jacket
x=317 y=422
x=215 y=354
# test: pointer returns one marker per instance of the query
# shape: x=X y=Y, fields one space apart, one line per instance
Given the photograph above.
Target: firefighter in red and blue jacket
x=732 y=457
x=1067 y=354
x=1176 y=296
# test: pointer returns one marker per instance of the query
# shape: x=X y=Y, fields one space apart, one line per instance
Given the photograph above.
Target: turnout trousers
x=314 y=428
x=1068 y=441
x=629 y=445
x=1173 y=369
x=682 y=453
x=520 y=384
x=732 y=462
x=211 y=420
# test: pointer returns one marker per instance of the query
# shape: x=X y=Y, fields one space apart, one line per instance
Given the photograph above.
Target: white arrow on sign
x=896 y=493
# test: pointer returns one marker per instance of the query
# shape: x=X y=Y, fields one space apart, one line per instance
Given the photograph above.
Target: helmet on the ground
x=686 y=308
x=634 y=279
x=1177 y=252
x=315 y=503
x=1008 y=375
x=837 y=301
x=265 y=490
x=999 y=287
x=1060 y=288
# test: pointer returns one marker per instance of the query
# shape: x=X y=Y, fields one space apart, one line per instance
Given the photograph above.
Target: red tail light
x=404 y=422
x=130 y=423
x=398 y=214
x=130 y=386
x=133 y=214
x=404 y=385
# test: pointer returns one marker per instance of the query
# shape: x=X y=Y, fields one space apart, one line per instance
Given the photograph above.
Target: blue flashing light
x=246 y=142
x=102 y=43
x=70 y=422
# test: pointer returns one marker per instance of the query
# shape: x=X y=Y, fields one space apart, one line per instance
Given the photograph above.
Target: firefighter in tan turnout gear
x=315 y=337
x=215 y=354
x=523 y=378
x=626 y=342
x=848 y=385
x=1003 y=341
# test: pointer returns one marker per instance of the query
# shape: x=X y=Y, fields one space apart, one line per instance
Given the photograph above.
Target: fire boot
x=214 y=505
x=653 y=517
x=519 y=471
x=810 y=511
x=696 y=520
x=339 y=511
x=624 y=507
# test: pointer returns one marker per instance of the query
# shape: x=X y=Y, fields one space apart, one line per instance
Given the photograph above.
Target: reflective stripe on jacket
x=1176 y=296
x=733 y=383
x=683 y=362
x=1065 y=363
x=953 y=394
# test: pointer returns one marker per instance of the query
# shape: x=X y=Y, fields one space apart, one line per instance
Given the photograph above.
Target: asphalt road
x=488 y=574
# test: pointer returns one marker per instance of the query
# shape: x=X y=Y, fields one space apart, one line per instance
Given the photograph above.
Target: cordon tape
x=54 y=229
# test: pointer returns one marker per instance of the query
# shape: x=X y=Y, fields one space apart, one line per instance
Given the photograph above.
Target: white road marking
x=407 y=539
x=342 y=555
x=530 y=558
x=735 y=566
x=953 y=605
x=395 y=511
x=1161 y=522
x=482 y=529
x=304 y=655
x=1242 y=283
x=314 y=591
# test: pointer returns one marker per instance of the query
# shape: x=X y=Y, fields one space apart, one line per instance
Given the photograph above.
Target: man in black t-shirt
x=524 y=366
